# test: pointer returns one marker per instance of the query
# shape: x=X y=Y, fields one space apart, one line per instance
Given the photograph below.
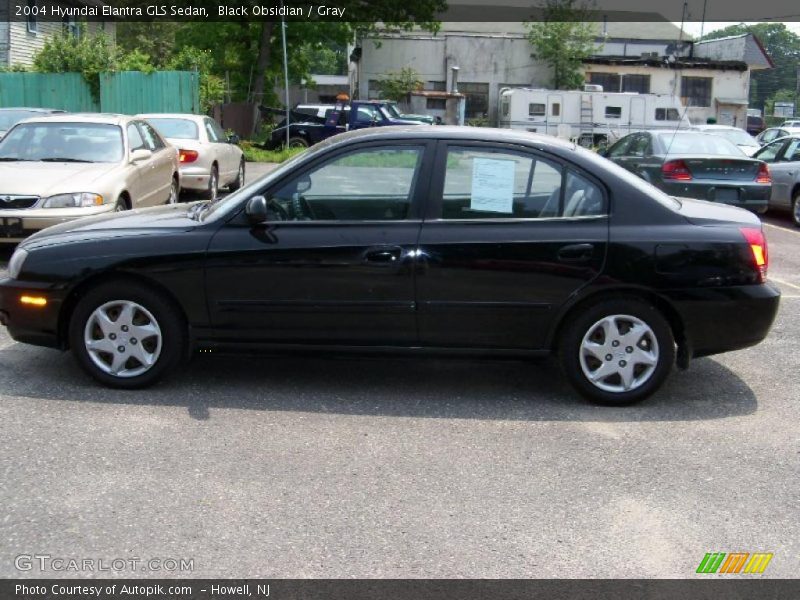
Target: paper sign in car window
x=492 y=185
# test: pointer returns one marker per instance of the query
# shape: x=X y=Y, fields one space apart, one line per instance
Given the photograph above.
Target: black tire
x=121 y=204
x=573 y=357
x=212 y=191
x=239 y=182
x=796 y=208
x=168 y=318
x=174 y=191
x=298 y=142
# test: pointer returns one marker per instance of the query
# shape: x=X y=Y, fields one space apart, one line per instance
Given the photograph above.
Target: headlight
x=80 y=199
x=16 y=262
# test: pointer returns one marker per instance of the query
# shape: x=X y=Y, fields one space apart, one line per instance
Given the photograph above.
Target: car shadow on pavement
x=379 y=386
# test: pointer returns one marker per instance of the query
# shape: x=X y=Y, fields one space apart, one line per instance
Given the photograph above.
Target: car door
x=509 y=235
x=334 y=264
x=785 y=169
x=139 y=180
x=162 y=164
x=770 y=154
x=619 y=150
x=222 y=151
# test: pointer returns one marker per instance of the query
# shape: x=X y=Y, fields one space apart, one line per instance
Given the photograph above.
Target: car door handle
x=384 y=254
x=576 y=253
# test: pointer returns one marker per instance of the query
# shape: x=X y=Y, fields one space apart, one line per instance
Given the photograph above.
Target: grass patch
x=255 y=154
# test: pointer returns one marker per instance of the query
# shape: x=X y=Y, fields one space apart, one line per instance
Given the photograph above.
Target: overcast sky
x=695 y=28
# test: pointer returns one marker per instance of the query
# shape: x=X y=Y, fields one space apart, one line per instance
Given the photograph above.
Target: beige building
x=712 y=78
x=21 y=39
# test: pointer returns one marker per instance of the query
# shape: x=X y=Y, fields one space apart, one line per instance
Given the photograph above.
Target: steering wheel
x=301 y=210
x=280 y=212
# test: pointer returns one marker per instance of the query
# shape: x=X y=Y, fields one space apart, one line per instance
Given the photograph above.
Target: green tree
x=397 y=85
x=212 y=87
x=783 y=47
x=562 y=39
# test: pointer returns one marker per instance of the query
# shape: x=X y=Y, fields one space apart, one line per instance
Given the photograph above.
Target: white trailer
x=591 y=117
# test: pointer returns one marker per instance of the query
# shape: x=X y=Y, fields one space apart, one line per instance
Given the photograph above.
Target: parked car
x=419 y=239
x=321 y=110
x=774 y=133
x=60 y=168
x=755 y=124
x=695 y=165
x=743 y=140
x=11 y=116
x=783 y=158
x=209 y=159
x=791 y=123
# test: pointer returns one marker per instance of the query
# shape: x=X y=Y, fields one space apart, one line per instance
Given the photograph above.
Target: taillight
x=676 y=170
x=758 y=247
x=763 y=175
x=187 y=156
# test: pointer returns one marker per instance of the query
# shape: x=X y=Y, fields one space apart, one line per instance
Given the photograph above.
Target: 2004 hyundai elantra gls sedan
x=421 y=239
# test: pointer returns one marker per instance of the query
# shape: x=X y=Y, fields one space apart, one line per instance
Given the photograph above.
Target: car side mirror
x=256 y=210
x=141 y=154
x=234 y=139
x=603 y=152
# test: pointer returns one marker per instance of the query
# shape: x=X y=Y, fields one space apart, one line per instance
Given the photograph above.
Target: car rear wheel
x=212 y=191
x=239 y=181
x=617 y=351
x=796 y=208
x=126 y=335
x=298 y=142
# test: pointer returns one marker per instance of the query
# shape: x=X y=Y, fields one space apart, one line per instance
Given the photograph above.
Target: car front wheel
x=796 y=208
x=126 y=335
x=618 y=351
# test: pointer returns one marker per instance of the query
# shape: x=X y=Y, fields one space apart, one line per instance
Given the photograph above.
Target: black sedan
x=421 y=239
x=695 y=165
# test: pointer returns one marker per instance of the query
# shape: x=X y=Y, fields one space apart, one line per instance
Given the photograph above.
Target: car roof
x=104 y=118
x=31 y=109
x=185 y=116
x=452 y=132
x=710 y=127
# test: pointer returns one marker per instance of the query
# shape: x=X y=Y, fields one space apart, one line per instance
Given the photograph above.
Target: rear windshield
x=9 y=118
x=182 y=129
x=698 y=143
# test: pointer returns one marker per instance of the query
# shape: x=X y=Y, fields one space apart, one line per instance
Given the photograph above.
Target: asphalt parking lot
x=287 y=466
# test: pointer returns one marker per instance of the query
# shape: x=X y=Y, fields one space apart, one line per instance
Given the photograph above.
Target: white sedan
x=209 y=160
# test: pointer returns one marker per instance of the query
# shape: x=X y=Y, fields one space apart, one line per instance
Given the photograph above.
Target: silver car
x=783 y=158
x=745 y=142
x=58 y=168
x=209 y=159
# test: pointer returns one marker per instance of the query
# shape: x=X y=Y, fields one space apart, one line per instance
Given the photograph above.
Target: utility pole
x=285 y=74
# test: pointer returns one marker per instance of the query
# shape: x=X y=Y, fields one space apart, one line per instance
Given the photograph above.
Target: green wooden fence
x=128 y=92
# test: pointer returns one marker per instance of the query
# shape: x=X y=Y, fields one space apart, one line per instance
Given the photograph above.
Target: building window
x=613 y=112
x=667 y=114
x=636 y=83
x=696 y=91
x=373 y=89
x=536 y=110
x=436 y=104
x=555 y=109
x=31 y=17
x=609 y=81
x=435 y=86
x=477 y=98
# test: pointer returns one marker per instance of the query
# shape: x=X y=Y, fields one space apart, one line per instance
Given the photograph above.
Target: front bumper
x=38 y=325
x=723 y=319
x=744 y=194
x=16 y=225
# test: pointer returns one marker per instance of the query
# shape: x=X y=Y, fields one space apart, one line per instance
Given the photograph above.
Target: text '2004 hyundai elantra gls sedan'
x=422 y=239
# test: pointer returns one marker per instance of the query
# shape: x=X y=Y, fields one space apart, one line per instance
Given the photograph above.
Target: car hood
x=701 y=212
x=46 y=178
x=146 y=221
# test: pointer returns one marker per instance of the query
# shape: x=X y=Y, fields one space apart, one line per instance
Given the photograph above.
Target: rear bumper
x=194 y=178
x=725 y=319
x=31 y=324
x=752 y=196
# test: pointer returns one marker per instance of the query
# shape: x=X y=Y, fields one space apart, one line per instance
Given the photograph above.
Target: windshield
x=9 y=118
x=698 y=143
x=63 y=142
x=393 y=112
x=183 y=129
x=737 y=136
